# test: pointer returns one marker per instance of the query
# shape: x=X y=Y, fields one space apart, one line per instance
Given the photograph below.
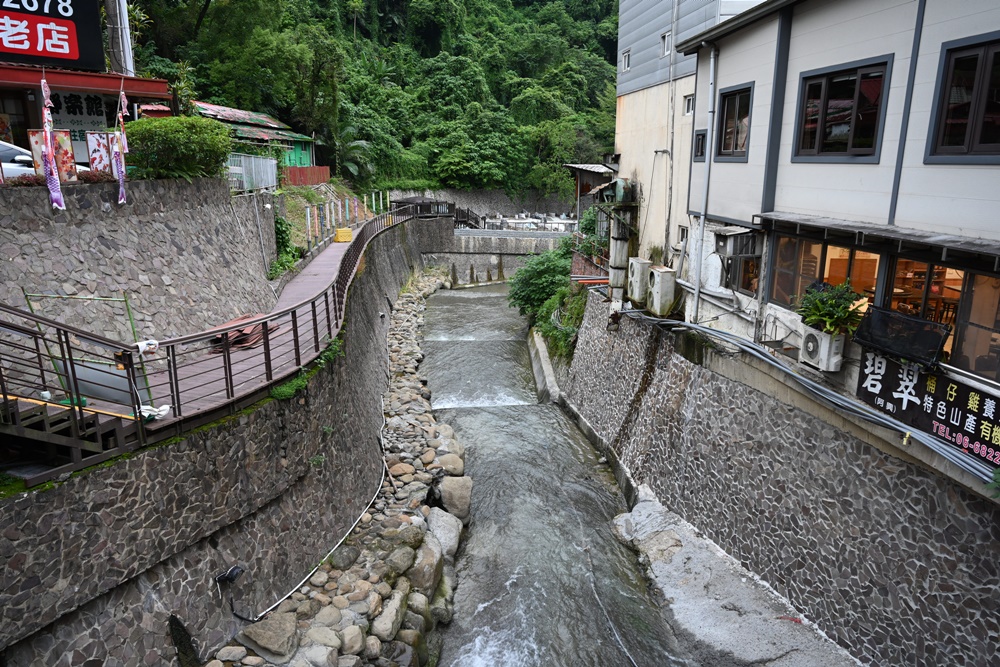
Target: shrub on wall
x=177 y=147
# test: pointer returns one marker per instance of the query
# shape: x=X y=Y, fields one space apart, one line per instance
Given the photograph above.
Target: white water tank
x=638 y=279
x=662 y=288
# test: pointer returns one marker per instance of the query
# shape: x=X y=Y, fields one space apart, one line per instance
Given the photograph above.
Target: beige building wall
x=643 y=138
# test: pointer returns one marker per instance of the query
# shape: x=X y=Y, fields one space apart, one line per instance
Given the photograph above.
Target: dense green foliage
x=179 y=147
x=831 y=308
x=288 y=253
x=559 y=319
x=463 y=93
x=539 y=279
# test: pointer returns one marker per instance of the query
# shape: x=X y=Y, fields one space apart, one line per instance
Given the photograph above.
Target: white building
x=850 y=140
x=656 y=105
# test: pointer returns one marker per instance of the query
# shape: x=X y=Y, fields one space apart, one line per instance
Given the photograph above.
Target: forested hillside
x=458 y=93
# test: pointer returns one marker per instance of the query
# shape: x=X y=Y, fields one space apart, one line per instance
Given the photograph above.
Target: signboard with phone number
x=58 y=33
x=963 y=417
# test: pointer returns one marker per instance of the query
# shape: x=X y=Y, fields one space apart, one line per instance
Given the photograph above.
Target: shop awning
x=135 y=87
x=933 y=246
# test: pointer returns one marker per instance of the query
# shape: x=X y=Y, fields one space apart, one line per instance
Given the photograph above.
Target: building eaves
x=729 y=26
x=593 y=168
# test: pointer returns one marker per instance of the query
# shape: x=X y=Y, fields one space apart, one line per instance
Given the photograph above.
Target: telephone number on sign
x=969 y=445
x=965 y=442
x=62 y=7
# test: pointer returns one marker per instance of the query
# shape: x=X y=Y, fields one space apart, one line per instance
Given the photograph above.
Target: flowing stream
x=541 y=578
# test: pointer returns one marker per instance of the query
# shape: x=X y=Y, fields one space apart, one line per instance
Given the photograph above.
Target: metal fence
x=84 y=395
x=252 y=172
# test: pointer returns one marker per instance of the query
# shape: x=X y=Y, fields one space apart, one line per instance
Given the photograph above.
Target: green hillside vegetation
x=456 y=93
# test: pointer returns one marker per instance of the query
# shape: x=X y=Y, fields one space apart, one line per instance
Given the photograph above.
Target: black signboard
x=56 y=33
x=962 y=416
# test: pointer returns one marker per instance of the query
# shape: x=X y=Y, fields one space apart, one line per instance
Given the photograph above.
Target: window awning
x=963 y=251
x=95 y=82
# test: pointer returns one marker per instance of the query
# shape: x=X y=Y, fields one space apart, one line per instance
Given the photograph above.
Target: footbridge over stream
x=135 y=517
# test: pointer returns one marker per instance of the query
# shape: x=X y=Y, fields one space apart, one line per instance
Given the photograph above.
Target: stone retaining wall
x=175 y=248
x=108 y=556
x=897 y=564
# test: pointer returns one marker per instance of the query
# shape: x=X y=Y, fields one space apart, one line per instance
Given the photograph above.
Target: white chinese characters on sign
x=874 y=372
x=53 y=38
x=14 y=34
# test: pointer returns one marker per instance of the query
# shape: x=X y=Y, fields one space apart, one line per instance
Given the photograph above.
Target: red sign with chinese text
x=63 y=33
x=38 y=36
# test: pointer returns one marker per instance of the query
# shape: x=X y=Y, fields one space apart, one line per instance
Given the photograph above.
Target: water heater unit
x=638 y=280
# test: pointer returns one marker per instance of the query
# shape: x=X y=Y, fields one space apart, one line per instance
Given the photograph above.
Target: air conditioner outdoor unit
x=821 y=350
x=730 y=241
x=638 y=279
x=662 y=287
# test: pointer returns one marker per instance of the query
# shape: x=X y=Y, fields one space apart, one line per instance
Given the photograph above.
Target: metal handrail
x=184 y=373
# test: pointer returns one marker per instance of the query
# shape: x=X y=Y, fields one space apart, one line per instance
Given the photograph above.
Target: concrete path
x=716 y=601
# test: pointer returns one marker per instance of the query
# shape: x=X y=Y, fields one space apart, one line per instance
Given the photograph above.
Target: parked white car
x=16 y=161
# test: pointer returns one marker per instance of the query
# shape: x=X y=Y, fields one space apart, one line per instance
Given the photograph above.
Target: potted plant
x=829 y=312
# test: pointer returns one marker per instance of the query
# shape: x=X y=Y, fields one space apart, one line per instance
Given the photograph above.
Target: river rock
x=400 y=560
x=387 y=624
x=416 y=640
x=373 y=647
x=401 y=654
x=456 y=495
x=319 y=579
x=231 y=653
x=350 y=661
x=401 y=469
x=425 y=573
x=447 y=528
x=352 y=640
x=275 y=638
x=344 y=556
x=444 y=431
x=214 y=663
x=453 y=465
x=314 y=656
x=324 y=636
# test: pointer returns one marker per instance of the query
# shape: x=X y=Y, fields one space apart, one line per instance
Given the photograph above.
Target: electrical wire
x=826 y=395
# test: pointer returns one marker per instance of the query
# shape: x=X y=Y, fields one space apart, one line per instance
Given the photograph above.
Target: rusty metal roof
x=231 y=115
x=265 y=134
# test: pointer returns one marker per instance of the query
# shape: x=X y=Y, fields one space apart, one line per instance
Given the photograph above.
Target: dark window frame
x=733 y=155
x=972 y=151
x=823 y=75
x=699 y=146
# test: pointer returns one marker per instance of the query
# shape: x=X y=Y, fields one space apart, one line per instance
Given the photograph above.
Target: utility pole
x=119 y=37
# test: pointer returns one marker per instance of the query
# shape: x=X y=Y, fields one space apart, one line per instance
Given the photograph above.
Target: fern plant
x=833 y=309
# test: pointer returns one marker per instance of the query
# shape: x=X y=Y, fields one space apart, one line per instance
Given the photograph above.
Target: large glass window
x=734 y=123
x=978 y=328
x=800 y=262
x=969 y=112
x=840 y=112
